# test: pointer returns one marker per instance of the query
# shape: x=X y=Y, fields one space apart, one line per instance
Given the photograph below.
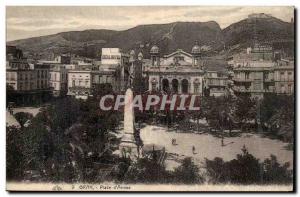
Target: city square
x=178 y=103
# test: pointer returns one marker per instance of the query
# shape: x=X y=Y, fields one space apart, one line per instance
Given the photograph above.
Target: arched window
x=153 y=83
x=175 y=85
x=165 y=85
x=196 y=86
x=185 y=86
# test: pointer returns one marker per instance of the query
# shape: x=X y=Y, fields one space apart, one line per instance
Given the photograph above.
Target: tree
x=56 y=149
x=246 y=169
x=275 y=173
x=23 y=117
x=279 y=120
x=245 y=109
x=14 y=154
x=187 y=172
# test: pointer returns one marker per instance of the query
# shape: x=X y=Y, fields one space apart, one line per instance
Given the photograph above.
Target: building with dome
x=179 y=72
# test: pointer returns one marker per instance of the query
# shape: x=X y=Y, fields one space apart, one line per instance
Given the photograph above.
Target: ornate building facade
x=179 y=72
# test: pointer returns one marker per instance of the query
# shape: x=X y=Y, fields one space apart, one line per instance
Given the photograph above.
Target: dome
x=154 y=49
x=132 y=53
x=140 y=55
x=196 y=49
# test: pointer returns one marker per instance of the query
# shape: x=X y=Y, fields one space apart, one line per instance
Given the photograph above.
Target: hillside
x=168 y=37
x=89 y=42
x=267 y=30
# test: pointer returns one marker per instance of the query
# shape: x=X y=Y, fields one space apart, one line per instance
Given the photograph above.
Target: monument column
x=128 y=146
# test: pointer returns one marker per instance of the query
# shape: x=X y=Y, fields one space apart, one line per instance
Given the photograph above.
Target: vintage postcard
x=157 y=98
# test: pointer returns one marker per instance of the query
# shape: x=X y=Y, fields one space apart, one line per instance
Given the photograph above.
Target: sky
x=31 y=21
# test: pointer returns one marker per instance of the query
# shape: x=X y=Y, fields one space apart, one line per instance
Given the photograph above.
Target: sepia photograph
x=150 y=98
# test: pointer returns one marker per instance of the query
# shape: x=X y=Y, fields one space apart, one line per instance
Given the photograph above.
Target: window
x=290 y=76
x=266 y=76
x=281 y=76
x=247 y=74
x=26 y=85
x=21 y=86
x=73 y=83
x=258 y=75
x=282 y=88
x=290 y=89
x=222 y=82
x=256 y=86
x=153 y=86
x=196 y=88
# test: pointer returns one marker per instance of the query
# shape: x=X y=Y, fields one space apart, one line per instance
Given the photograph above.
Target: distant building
x=105 y=79
x=83 y=83
x=59 y=80
x=20 y=76
x=113 y=56
x=254 y=77
x=63 y=59
x=259 y=15
x=262 y=70
x=27 y=83
x=88 y=78
x=284 y=77
x=43 y=76
x=114 y=59
x=216 y=79
x=12 y=52
x=262 y=52
x=138 y=80
x=80 y=83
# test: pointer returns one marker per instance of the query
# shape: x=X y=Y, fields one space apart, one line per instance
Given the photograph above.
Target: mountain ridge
x=168 y=37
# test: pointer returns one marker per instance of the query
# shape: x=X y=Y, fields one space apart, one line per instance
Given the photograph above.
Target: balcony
x=79 y=88
x=242 y=80
x=249 y=90
x=268 y=80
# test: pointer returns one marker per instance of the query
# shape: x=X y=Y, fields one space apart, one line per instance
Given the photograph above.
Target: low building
x=85 y=83
x=105 y=79
x=80 y=83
